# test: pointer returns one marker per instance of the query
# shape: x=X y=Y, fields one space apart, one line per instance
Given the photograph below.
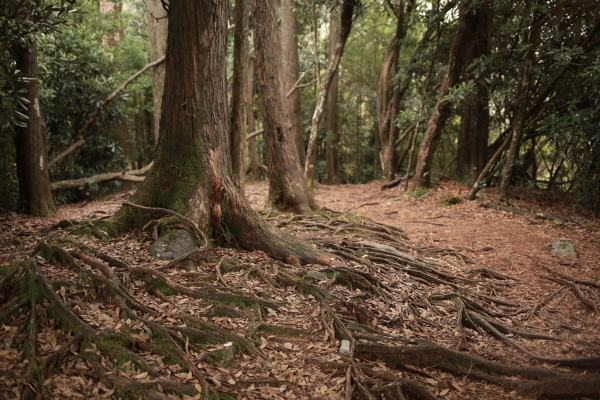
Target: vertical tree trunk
x=239 y=97
x=288 y=190
x=157 y=35
x=254 y=160
x=520 y=106
x=442 y=108
x=332 y=158
x=346 y=15
x=291 y=71
x=475 y=116
x=388 y=98
x=30 y=142
x=192 y=170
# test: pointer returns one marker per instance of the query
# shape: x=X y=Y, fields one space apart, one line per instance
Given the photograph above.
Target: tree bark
x=30 y=142
x=288 y=190
x=157 y=35
x=192 y=172
x=521 y=105
x=254 y=159
x=388 y=98
x=291 y=71
x=332 y=158
x=239 y=97
x=442 y=108
x=475 y=116
x=346 y=15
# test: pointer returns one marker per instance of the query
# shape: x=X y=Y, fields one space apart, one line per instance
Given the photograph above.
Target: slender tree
x=157 y=35
x=192 y=172
x=532 y=37
x=389 y=96
x=332 y=156
x=30 y=141
x=239 y=99
x=252 y=148
x=288 y=190
x=346 y=17
x=442 y=108
x=291 y=71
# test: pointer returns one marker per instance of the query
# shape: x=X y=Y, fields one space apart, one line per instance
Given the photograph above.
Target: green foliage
x=20 y=22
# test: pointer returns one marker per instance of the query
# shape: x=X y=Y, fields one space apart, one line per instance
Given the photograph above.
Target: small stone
x=563 y=247
x=317 y=275
x=180 y=242
x=345 y=347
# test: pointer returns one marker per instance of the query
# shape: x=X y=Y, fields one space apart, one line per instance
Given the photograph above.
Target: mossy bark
x=192 y=172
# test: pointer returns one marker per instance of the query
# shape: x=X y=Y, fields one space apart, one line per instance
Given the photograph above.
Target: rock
x=176 y=244
x=345 y=347
x=317 y=275
x=563 y=247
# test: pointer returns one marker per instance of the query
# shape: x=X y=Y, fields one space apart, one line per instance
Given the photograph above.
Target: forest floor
x=416 y=282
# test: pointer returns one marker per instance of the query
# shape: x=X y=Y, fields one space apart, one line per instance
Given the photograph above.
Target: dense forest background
x=490 y=93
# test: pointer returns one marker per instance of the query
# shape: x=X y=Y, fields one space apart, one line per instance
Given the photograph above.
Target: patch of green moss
x=161 y=343
x=222 y=358
x=163 y=288
x=448 y=199
x=419 y=192
x=284 y=331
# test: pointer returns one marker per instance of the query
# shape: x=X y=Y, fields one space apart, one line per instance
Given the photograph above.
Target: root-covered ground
x=432 y=302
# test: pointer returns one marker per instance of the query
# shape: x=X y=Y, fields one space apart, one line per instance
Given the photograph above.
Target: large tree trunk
x=346 y=15
x=252 y=149
x=192 y=173
x=291 y=71
x=475 y=116
x=332 y=157
x=30 y=142
x=157 y=35
x=288 y=190
x=442 y=108
x=239 y=97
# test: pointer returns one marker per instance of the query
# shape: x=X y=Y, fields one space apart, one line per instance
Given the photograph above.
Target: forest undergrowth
x=89 y=317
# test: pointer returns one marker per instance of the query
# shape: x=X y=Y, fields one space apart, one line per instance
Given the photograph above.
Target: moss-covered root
x=36 y=288
x=540 y=381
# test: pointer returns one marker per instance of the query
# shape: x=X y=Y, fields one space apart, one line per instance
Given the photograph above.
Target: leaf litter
x=264 y=329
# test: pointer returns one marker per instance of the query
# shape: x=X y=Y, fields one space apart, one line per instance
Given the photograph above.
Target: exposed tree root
x=381 y=299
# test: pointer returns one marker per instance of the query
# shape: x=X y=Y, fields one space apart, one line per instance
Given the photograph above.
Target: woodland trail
x=440 y=302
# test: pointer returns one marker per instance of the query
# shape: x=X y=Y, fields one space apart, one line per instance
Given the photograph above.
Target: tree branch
x=90 y=122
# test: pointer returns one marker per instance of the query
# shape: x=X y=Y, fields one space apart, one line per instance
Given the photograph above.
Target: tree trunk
x=192 y=172
x=442 y=108
x=30 y=142
x=291 y=71
x=346 y=15
x=388 y=98
x=157 y=35
x=254 y=159
x=520 y=106
x=287 y=188
x=239 y=97
x=332 y=157
x=475 y=116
